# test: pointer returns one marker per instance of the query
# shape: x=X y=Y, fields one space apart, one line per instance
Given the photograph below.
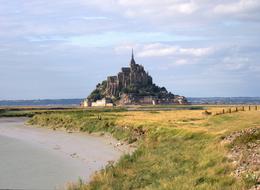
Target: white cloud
x=159 y=50
x=155 y=8
x=242 y=6
x=196 y=51
x=190 y=11
x=236 y=63
x=126 y=48
x=81 y=16
x=182 y=62
x=92 y=18
x=184 y=8
x=154 y=50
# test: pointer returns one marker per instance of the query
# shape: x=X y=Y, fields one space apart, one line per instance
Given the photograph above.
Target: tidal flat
x=40 y=158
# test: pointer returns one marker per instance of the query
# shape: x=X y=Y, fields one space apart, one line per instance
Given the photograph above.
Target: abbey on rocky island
x=133 y=76
x=132 y=86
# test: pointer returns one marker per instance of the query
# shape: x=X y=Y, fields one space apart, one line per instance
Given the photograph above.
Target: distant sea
x=42 y=102
x=225 y=100
x=76 y=102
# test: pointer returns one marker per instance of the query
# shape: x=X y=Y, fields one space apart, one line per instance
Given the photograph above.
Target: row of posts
x=237 y=109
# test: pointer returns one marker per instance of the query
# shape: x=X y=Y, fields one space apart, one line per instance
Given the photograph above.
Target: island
x=132 y=86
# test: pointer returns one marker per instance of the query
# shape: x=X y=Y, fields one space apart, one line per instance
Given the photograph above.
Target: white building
x=105 y=102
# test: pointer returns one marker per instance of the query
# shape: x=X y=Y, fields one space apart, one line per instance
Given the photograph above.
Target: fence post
x=236 y=109
x=243 y=108
x=255 y=107
x=229 y=110
x=223 y=111
x=249 y=108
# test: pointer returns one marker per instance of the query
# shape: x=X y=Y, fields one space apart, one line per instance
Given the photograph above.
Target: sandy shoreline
x=58 y=155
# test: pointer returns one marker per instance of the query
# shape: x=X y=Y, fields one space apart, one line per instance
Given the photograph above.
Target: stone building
x=135 y=75
x=105 y=102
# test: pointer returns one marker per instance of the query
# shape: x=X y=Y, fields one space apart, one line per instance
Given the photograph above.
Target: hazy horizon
x=62 y=49
x=42 y=99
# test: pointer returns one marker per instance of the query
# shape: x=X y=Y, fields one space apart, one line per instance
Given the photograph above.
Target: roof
x=125 y=69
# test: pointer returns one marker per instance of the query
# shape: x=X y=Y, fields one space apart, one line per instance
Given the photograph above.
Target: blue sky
x=62 y=49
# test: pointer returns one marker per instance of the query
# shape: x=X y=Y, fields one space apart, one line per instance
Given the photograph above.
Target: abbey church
x=134 y=75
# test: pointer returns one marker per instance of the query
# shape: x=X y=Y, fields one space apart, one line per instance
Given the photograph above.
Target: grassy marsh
x=178 y=149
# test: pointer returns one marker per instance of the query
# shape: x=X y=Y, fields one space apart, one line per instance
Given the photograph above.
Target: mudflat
x=40 y=158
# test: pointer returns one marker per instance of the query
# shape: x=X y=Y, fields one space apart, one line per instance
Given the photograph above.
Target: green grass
x=246 y=138
x=177 y=107
x=250 y=180
x=176 y=149
x=31 y=111
x=85 y=121
x=169 y=159
x=7 y=113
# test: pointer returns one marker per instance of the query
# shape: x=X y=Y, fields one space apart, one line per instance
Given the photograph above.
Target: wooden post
x=236 y=109
x=255 y=107
x=229 y=110
x=223 y=111
x=249 y=108
x=243 y=108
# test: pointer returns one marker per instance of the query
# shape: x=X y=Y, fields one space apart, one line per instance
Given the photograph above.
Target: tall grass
x=170 y=159
x=7 y=113
x=177 y=149
x=86 y=122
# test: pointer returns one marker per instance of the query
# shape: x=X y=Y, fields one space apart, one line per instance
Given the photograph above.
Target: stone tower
x=138 y=76
x=132 y=62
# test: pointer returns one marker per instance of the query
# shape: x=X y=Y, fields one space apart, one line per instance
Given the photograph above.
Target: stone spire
x=132 y=59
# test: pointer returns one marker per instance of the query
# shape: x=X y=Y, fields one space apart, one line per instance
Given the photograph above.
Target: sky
x=62 y=49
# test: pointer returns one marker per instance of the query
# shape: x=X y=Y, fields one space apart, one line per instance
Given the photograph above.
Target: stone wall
x=112 y=86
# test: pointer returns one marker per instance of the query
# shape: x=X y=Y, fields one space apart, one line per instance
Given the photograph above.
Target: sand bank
x=40 y=158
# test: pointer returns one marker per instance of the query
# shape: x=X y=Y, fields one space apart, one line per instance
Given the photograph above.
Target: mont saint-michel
x=132 y=86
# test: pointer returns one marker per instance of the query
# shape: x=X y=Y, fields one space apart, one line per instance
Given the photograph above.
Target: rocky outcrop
x=133 y=85
x=245 y=155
